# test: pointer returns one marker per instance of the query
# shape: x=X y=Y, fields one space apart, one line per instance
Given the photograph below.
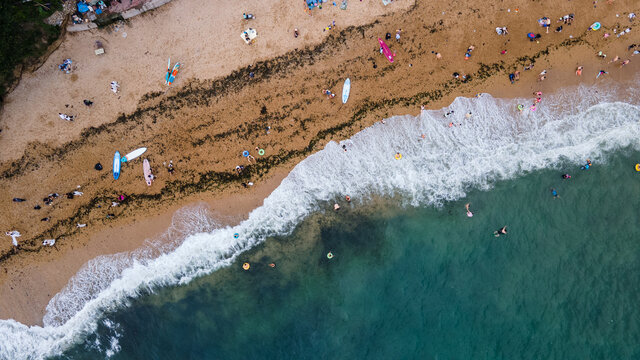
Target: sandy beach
x=216 y=109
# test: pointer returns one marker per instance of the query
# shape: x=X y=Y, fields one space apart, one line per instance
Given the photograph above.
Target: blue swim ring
x=245 y=153
x=596 y=26
x=236 y=235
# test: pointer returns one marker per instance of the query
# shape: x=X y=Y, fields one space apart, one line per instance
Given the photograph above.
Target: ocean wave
x=99 y=272
x=439 y=163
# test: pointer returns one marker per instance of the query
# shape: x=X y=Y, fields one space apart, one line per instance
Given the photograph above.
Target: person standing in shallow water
x=469 y=213
x=502 y=231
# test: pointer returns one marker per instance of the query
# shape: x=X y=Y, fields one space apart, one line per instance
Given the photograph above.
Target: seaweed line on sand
x=211 y=180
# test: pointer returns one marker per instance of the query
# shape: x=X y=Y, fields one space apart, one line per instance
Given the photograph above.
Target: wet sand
x=210 y=116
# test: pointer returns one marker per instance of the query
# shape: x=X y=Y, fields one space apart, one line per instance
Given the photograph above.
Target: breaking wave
x=495 y=142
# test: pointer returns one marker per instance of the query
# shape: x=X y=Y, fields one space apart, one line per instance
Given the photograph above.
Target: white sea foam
x=497 y=142
x=98 y=273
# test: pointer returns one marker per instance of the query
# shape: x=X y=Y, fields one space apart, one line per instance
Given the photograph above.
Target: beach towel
x=83 y=8
x=252 y=34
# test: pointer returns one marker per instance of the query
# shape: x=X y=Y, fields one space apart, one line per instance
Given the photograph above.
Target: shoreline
x=371 y=107
x=52 y=272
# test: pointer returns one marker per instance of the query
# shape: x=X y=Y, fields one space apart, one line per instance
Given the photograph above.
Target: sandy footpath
x=216 y=110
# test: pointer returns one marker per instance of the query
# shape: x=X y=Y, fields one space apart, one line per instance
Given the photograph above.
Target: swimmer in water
x=469 y=213
x=587 y=165
x=554 y=193
x=502 y=231
x=566 y=176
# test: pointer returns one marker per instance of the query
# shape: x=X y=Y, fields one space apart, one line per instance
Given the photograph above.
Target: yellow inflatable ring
x=329 y=255
x=398 y=156
x=261 y=152
x=637 y=167
x=246 y=266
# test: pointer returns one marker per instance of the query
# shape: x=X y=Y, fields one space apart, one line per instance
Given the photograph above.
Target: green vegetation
x=23 y=35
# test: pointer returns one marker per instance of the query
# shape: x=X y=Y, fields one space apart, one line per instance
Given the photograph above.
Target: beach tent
x=252 y=35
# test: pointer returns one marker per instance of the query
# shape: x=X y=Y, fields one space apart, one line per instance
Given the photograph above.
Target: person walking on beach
x=502 y=231
x=579 y=70
x=601 y=72
x=14 y=235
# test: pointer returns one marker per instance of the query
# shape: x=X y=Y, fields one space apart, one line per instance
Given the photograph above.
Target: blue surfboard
x=166 y=77
x=116 y=165
x=174 y=72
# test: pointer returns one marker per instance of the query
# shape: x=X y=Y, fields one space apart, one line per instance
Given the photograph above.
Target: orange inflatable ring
x=398 y=156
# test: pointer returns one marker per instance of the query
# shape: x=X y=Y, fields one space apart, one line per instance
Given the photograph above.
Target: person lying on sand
x=65 y=117
x=115 y=87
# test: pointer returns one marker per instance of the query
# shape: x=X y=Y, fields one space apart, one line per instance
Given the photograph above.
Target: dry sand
x=204 y=36
x=215 y=111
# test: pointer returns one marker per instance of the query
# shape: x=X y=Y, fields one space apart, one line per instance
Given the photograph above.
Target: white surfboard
x=345 y=90
x=134 y=154
x=116 y=165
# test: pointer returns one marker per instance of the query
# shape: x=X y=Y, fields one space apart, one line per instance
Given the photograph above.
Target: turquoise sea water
x=418 y=283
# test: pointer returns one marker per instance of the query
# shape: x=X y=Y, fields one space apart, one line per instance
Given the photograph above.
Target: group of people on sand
x=66 y=66
x=328 y=93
